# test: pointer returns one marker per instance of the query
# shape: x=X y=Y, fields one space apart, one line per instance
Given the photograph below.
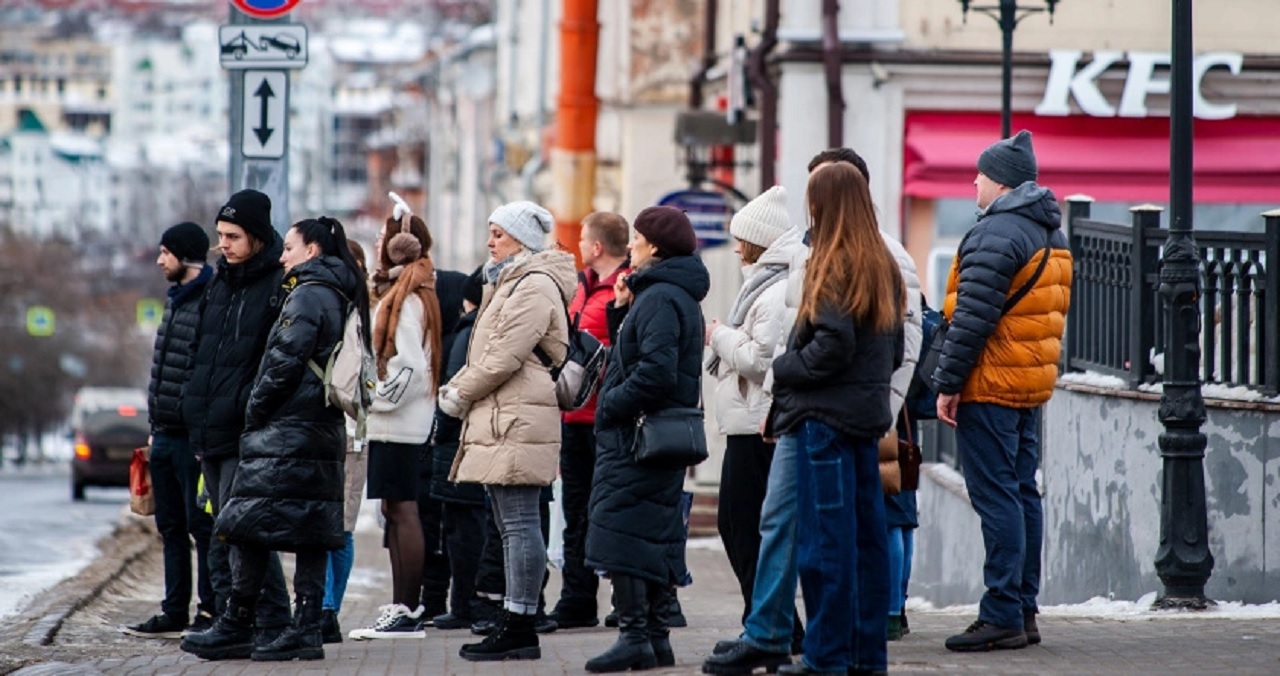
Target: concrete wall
x=1101 y=475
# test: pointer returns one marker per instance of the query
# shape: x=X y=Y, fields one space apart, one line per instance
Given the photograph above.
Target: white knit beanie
x=763 y=219
x=527 y=222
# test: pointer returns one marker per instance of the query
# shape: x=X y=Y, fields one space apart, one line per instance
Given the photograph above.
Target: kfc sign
x=1066 y=81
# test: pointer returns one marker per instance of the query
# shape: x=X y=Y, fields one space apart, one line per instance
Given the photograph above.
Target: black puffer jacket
x=637 y=522
x=239 y=306
x=448 y=430
x=171 y=358
x=287 y=493
x=836 y=373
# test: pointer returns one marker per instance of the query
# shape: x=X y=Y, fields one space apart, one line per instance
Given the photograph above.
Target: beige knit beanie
x=763 y=219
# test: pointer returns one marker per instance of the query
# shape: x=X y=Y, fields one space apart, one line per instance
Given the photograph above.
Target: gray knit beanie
x=527 y=222
x=1010 y=162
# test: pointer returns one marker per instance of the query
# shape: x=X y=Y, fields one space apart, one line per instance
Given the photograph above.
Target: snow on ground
x=1207 y=390
x=1093 y=379
x=1102 y=608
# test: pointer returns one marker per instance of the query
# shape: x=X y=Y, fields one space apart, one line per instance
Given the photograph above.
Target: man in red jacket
x=604 y=257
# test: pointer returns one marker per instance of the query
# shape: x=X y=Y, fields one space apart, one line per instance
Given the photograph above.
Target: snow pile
x=1093 y=379
x=1219 y=391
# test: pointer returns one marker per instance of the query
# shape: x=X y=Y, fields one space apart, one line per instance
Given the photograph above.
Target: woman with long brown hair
x=831 y=390
x=406 y=346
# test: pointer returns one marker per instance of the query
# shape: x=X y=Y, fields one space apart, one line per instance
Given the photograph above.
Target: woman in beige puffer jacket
x=506 y=399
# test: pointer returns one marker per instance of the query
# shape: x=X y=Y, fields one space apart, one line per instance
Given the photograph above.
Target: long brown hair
x=849 y=268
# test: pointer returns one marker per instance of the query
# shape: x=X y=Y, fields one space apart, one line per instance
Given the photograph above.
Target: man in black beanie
x=995 y=373
x=239 y=308
x=174 y=469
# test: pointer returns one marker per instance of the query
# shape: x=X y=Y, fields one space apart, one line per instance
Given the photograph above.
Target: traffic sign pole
x=267 y=170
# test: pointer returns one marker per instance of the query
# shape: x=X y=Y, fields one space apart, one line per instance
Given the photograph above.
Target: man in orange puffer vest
x=604 y=255
x=1007 y=300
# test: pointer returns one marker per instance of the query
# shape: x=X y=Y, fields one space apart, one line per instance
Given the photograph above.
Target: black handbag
x=670 y=437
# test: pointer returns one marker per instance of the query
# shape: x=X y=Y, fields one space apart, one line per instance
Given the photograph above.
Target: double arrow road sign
x=266 y=94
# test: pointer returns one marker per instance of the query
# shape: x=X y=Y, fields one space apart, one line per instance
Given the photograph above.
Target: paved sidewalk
x=88 y=643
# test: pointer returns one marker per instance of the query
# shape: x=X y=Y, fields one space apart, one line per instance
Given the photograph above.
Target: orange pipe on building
x=573 y=157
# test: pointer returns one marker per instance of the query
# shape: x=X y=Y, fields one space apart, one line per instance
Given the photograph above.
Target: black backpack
x=579 y=376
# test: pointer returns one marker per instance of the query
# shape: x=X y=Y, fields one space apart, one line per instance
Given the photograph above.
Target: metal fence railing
x=1117 y=315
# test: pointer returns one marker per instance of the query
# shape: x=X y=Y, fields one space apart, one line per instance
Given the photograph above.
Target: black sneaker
x=159 y=626
x=203 y=622
x=742 y=658
x=574 y=620
x=450 y=621
x=983 y=636
x=543 y=624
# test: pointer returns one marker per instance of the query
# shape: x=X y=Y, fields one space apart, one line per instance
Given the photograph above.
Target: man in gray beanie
x=994 y=374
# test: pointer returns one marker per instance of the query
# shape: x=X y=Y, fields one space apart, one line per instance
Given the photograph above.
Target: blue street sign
x=708 y=211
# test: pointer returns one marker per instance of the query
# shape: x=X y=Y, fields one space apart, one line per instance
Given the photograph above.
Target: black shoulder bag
x=671 y=437
x=928 y=364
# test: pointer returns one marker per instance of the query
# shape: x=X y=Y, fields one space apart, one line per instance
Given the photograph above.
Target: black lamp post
x=1183 y=561
x=1008 y=14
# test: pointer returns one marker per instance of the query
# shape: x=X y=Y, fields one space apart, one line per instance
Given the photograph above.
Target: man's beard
x=175 y=275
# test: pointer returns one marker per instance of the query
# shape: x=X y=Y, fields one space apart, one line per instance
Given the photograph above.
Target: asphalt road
x=44 y=536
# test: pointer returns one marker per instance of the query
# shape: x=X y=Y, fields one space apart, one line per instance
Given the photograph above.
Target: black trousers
x=175 y=473
x=577 y=470
x=308 y=574
x=491 y=578
x=464 y=537
x=225 y=558
x=744 y=479
x=435 y=562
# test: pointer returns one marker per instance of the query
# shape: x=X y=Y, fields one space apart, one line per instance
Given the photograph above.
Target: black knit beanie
x=250 y=210
x=187 y=241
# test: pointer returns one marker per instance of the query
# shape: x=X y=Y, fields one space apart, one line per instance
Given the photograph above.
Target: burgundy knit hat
x=668 y=229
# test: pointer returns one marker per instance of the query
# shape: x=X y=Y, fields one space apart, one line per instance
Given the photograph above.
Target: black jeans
x=464 y=536
x=174 y=476
x=744 y=479
x=577 y=469
x=255 y=565
x=224 y=559
x=435 y=562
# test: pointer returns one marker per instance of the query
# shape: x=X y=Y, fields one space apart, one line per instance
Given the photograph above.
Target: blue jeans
x=999 y=452
x=337 y=572
x=174 y=474
x=516 y=509
x=842 y=550
x=901 y=549
x=773 y=594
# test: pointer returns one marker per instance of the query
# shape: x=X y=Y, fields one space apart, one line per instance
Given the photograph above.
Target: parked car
x=283 y=42
x=107 y=423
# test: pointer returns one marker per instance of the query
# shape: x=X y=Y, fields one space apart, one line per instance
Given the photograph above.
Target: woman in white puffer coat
x=742 y=351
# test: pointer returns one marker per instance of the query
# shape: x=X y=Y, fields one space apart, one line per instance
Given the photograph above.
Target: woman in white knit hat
x=742 y=350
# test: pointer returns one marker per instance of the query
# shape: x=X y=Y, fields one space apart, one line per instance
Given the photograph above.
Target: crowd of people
x=464 y=435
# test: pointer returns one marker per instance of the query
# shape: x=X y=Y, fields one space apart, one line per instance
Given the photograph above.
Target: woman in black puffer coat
x=288 y=490
x=636 y=530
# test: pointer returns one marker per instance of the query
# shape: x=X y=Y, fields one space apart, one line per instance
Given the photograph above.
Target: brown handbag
x=909 y=458
x=890 y=464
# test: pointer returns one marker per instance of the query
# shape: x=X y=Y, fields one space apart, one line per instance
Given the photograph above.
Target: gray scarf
x=493 y=269
x=755 y=285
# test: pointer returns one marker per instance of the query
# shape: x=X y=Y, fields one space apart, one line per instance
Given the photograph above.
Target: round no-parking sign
x=265 y=9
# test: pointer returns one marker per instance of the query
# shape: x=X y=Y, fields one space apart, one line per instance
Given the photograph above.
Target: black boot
x=330 y=630
x=632 y=651
x=230 y=637
x=301 y=641
x=660 y=611
x=513 y=639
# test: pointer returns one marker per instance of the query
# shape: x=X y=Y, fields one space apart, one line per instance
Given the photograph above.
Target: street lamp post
x=1183 y=560
x=1008 y=14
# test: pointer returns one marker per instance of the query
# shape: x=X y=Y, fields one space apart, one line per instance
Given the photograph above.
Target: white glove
x=452 y=404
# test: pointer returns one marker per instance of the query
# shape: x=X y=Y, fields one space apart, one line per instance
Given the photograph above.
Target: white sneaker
x=395 y=621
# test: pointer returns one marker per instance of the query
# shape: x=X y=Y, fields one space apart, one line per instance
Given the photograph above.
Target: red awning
x=1237 y=161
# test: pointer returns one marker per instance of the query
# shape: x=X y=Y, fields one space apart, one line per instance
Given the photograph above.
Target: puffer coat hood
x=511 y=434
x=288 y=490
x=1007 y=358
x=636 y=516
